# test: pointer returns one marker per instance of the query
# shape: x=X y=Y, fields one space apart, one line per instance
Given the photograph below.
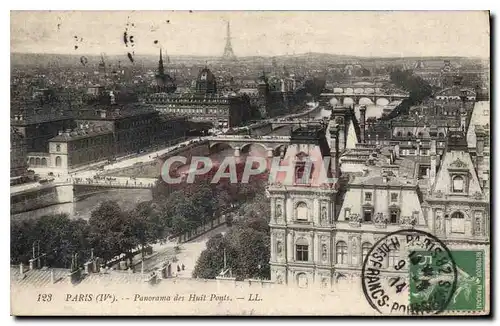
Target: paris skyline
x=254 y=33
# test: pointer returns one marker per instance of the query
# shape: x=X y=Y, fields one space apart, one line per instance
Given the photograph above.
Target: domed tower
x=206 y=83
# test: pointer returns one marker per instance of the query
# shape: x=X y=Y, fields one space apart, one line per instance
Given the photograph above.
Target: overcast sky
x=254 y=33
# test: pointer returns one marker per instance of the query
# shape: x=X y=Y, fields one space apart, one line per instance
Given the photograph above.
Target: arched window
x=58 y=148
x=399 y=134
x=301 y=211
x=341 y=252
x=441 y=134
x=58 y=161
x=458 y=184
x=37 y=161
x=32 y=161
x=44 y=161
x=457 y=222
x=365 y=248
x=302 y=280
x=393 y=258
x=301 y=250
x=409 y=134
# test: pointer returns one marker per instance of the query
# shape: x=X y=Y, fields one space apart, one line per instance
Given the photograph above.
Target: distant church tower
x=164 y=83
x=228 y=50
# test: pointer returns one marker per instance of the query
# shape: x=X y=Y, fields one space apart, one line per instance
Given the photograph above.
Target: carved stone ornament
x=380 y=220
x=279 y=248
x=459 y=163
x=279 y=278
x=438 y=194
x=477 y=224
x=355 y=220
x=324 y=252
x=323 y=215
x=408 y=221
x=477 y=195
x=279 y=212
x=324 y=282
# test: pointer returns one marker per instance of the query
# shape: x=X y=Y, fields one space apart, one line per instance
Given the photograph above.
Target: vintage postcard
x=244 y=163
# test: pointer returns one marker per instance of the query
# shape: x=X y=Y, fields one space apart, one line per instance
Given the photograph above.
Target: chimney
x=433 y=155
x=385 y=178
x=21 y=269
x=480 y=135
x=362 y=119
x=52 y=277
x=334 y=151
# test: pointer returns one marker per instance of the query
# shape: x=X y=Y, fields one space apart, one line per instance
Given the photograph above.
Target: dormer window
x=458 y=184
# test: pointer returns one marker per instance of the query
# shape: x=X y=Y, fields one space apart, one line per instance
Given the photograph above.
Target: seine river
x=128 y=198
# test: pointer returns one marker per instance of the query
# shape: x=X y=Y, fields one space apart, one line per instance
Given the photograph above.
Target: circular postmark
x=409 y=272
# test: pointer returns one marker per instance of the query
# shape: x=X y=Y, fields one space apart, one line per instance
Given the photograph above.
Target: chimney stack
x=433 y=155
x=362 y=118
x=334 y=151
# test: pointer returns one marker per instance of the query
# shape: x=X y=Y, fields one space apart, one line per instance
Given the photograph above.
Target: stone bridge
x=273 y=145
x=296 y=122
x=356 y=93
x=122 y=182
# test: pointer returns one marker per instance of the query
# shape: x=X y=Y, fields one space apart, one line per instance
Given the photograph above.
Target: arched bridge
x=118 y=182
x=356 y=93
x=271 y=144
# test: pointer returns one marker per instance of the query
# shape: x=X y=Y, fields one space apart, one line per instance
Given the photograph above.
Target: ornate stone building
x=303 y=211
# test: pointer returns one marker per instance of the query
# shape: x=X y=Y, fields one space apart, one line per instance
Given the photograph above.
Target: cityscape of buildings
x=399 y=162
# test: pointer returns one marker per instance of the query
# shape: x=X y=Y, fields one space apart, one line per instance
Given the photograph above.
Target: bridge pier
x=270 y=153
x=237 y=152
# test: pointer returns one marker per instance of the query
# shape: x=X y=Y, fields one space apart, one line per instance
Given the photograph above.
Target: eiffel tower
x=228 y=50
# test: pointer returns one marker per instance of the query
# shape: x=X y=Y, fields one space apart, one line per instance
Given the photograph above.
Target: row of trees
x=111 y=231
x=418 y=88
x=246 y=245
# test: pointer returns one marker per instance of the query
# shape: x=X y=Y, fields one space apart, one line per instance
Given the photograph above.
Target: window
x=367 y=215
x=347 y=213
x=44 y=161
x=301 y=211
x=368 y=196
x=394 y=198
x=458 y=184
x=58 y=148
x=394 y=216
x=341 y=251
x=37 y=161
x=302 y=250
x=393 y=258
x=299 y=173
x=365 y=248
x=58 y=161
x=457 y=222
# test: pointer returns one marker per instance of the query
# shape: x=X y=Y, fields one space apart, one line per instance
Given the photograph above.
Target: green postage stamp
x=431 y=276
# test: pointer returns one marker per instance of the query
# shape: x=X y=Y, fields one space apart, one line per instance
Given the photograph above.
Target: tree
x=57 y=236
x=111 y=231
x=247 y=248
x=147 y=224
